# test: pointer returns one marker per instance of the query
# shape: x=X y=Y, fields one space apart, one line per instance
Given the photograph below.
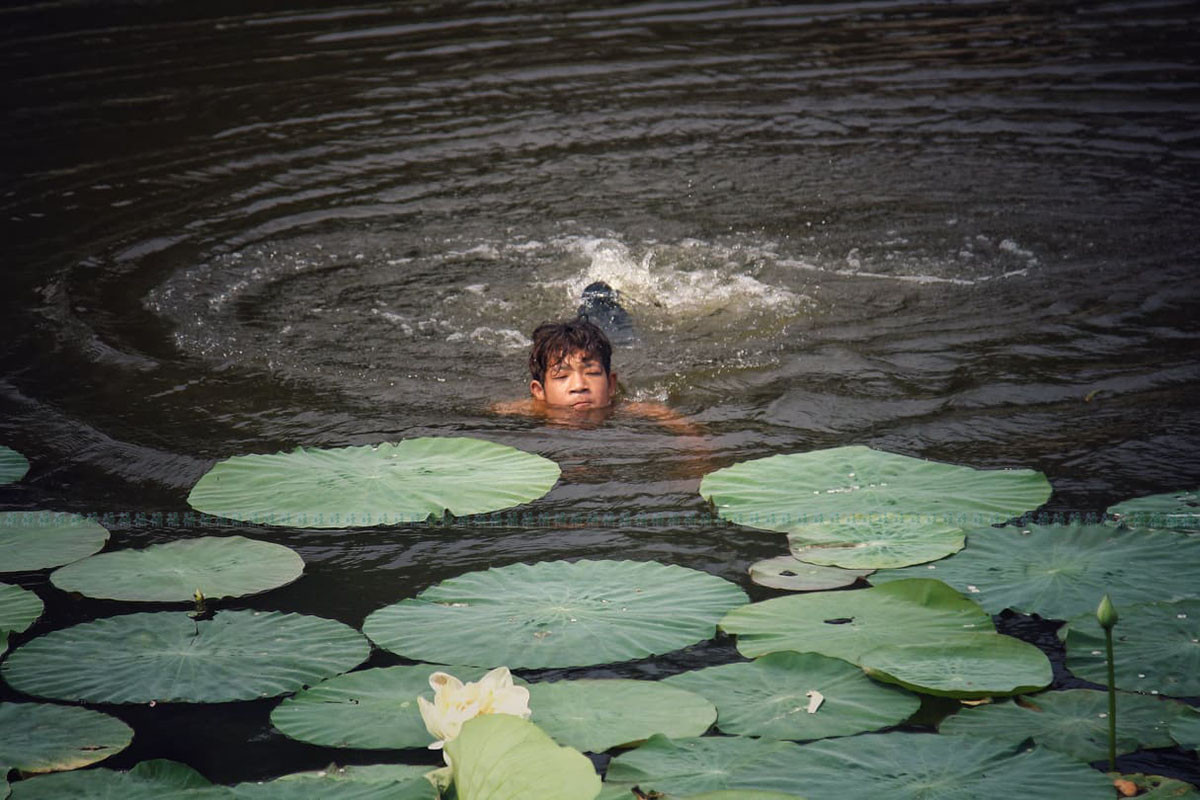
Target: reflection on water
x=962 y=231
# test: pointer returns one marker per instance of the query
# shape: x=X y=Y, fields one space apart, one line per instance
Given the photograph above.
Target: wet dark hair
x=555 y=341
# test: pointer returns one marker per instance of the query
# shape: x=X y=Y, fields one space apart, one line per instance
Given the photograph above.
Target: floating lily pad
x=770 y=697
x=40 y=737
x=847 y=624
x=375 y=782
x=898 y=766
x=980 y=665
x=149 y=780
x=1074 y=721
x=18 y=608
x=371 y=709
x=556 y=614
x=502 y=757
x=687 y=767
x=1174 y=510
x=219 y=566
x=384 y=484
x=33 y=540
x=787 y=572
x=1156 y=647
x=595 y=715
x=167 y=656
x=1185 y=729
x=1158 y=787
x=1059 y=571
x=13 y=465
x=861 y=508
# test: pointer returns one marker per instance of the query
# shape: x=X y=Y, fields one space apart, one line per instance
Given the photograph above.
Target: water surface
x=965 y=231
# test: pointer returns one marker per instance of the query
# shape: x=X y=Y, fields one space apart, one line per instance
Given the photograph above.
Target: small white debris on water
x=1181 y=616
x=1095 y=652
x=972 y=589
x=815 y=699
x=931 y=566
x=1141 y=674
x=1154 y=691
x=1103 y=714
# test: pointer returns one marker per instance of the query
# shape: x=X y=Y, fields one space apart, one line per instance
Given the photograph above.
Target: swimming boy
x=572 y=381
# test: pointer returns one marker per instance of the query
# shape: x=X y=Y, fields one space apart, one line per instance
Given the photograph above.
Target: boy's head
x=570 y=365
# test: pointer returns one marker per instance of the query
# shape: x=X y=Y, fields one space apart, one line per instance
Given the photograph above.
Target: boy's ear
x=612 y=382
x=537 y=390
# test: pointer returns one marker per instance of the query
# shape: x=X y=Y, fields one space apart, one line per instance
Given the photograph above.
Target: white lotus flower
x=455 y=702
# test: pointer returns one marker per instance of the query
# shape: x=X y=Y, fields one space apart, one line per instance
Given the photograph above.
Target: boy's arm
x=665 y=416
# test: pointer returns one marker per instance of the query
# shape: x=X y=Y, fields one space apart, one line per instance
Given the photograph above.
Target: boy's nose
x=577 y=383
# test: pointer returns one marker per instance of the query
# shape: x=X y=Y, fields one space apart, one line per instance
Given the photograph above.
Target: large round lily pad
x=788 y=572
x=373 y=782
x=149 y=780
x=1174 y=510
x=33 y=540
x=1074 y=721
x=219 y=566
x=1059 y=571
x=368 y=709
x=980 y=665
x=167 y=656
x=861 y=508
x=898 y=766
x=771 y=697
x=596 y=715
x=383 y=484
x=40 y=737
x=13 y=465
x=18 y=609
x=502 y=757
x=1156 y=647
x=556 y=614
x=847 y=624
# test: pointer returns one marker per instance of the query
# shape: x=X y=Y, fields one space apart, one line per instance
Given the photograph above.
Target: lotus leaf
x=898 y=766
x=1175 y=510
x=32 y=540
x=1059 y=571
x=149 y=780
x=13 y=465
x=39 y=737
x=1185 y=729
x=787 y=572
x=595 y=715
x=369 y=709
x=383 y=484
x=1157 y=787
x=980 y=665
x=219 y=566
x=769 y=697
x=167 y=656
x=861 y=508
x=1154 y=646
x=556 y=614
x=502 y=757
x=381 y=781
x=847 y=624
x=1074 y=721
x=18 y=608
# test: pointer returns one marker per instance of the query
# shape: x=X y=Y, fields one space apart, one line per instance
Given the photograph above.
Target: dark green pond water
x=960 y=231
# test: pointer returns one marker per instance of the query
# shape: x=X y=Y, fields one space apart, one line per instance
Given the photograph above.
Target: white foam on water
x=688 y=277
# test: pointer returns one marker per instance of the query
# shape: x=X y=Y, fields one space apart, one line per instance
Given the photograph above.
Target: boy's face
x=578 y=382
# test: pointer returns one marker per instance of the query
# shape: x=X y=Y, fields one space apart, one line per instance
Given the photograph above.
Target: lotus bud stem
x=1107 y=616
